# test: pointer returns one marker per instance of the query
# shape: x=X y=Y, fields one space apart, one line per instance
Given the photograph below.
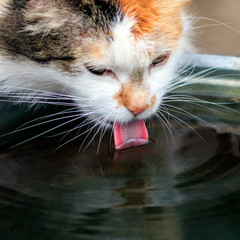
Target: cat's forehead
x=119 y=32
x=142 y=30
x=124 y=49
x=127 y=50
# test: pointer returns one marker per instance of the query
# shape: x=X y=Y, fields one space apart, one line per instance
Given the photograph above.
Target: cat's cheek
x=97 y=96
x=93 y=87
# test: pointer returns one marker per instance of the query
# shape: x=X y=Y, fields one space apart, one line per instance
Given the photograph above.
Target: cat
x=115 y=58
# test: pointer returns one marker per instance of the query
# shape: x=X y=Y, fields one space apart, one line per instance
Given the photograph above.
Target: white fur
x=129 y=53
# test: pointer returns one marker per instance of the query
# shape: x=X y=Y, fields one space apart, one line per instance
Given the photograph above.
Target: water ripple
x=184 y=188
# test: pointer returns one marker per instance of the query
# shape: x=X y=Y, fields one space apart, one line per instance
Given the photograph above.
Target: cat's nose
x=135 y=97
x=137 y=109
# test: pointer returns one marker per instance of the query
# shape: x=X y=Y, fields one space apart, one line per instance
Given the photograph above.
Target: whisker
x=77 y=136
x=67 y=132
x=101 y=123
x=103 y=133
x=186 y=124
x=196 y=102
x=165 y=123
x=40 y=92
x=192 y=78
x=49 y=116
x=45 y=122
x=89 y=132
x=218 y=22
x=38 y=102
x=205 y=105
x=47 y=131
x=186 y=68
x=184 y=112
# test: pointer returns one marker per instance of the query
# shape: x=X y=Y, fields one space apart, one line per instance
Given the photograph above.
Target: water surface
x=181 y=186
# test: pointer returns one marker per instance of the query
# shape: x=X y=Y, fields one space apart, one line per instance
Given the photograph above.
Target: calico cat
x=115 y=58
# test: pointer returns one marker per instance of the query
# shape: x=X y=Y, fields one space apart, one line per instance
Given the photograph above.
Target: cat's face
x=116 y=57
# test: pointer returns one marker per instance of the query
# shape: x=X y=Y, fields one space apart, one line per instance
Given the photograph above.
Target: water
x=179 y=187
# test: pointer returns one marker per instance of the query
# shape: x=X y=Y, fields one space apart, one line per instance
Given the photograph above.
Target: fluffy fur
x=116 y=59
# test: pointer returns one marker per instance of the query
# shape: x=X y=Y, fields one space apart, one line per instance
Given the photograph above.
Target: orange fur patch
x=155 y=16
x=95 y=52
x=153 y=101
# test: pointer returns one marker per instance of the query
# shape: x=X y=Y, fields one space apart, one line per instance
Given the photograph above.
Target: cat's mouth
x=130 y=134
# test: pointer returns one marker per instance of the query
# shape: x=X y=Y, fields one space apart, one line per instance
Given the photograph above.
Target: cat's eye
x=160 y=60
x=99 y=71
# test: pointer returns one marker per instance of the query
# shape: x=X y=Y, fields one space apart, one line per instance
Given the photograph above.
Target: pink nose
x=137 y=109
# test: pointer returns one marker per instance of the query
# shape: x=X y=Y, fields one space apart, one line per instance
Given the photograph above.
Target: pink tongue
x=130 y=135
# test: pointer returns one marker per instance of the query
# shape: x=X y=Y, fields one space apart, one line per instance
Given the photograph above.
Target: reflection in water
x=186 y=187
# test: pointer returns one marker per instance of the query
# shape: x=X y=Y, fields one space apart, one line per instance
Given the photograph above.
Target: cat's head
x=116 y=56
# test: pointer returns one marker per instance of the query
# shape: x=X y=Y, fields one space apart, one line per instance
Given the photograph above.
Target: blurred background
x=217 y=26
